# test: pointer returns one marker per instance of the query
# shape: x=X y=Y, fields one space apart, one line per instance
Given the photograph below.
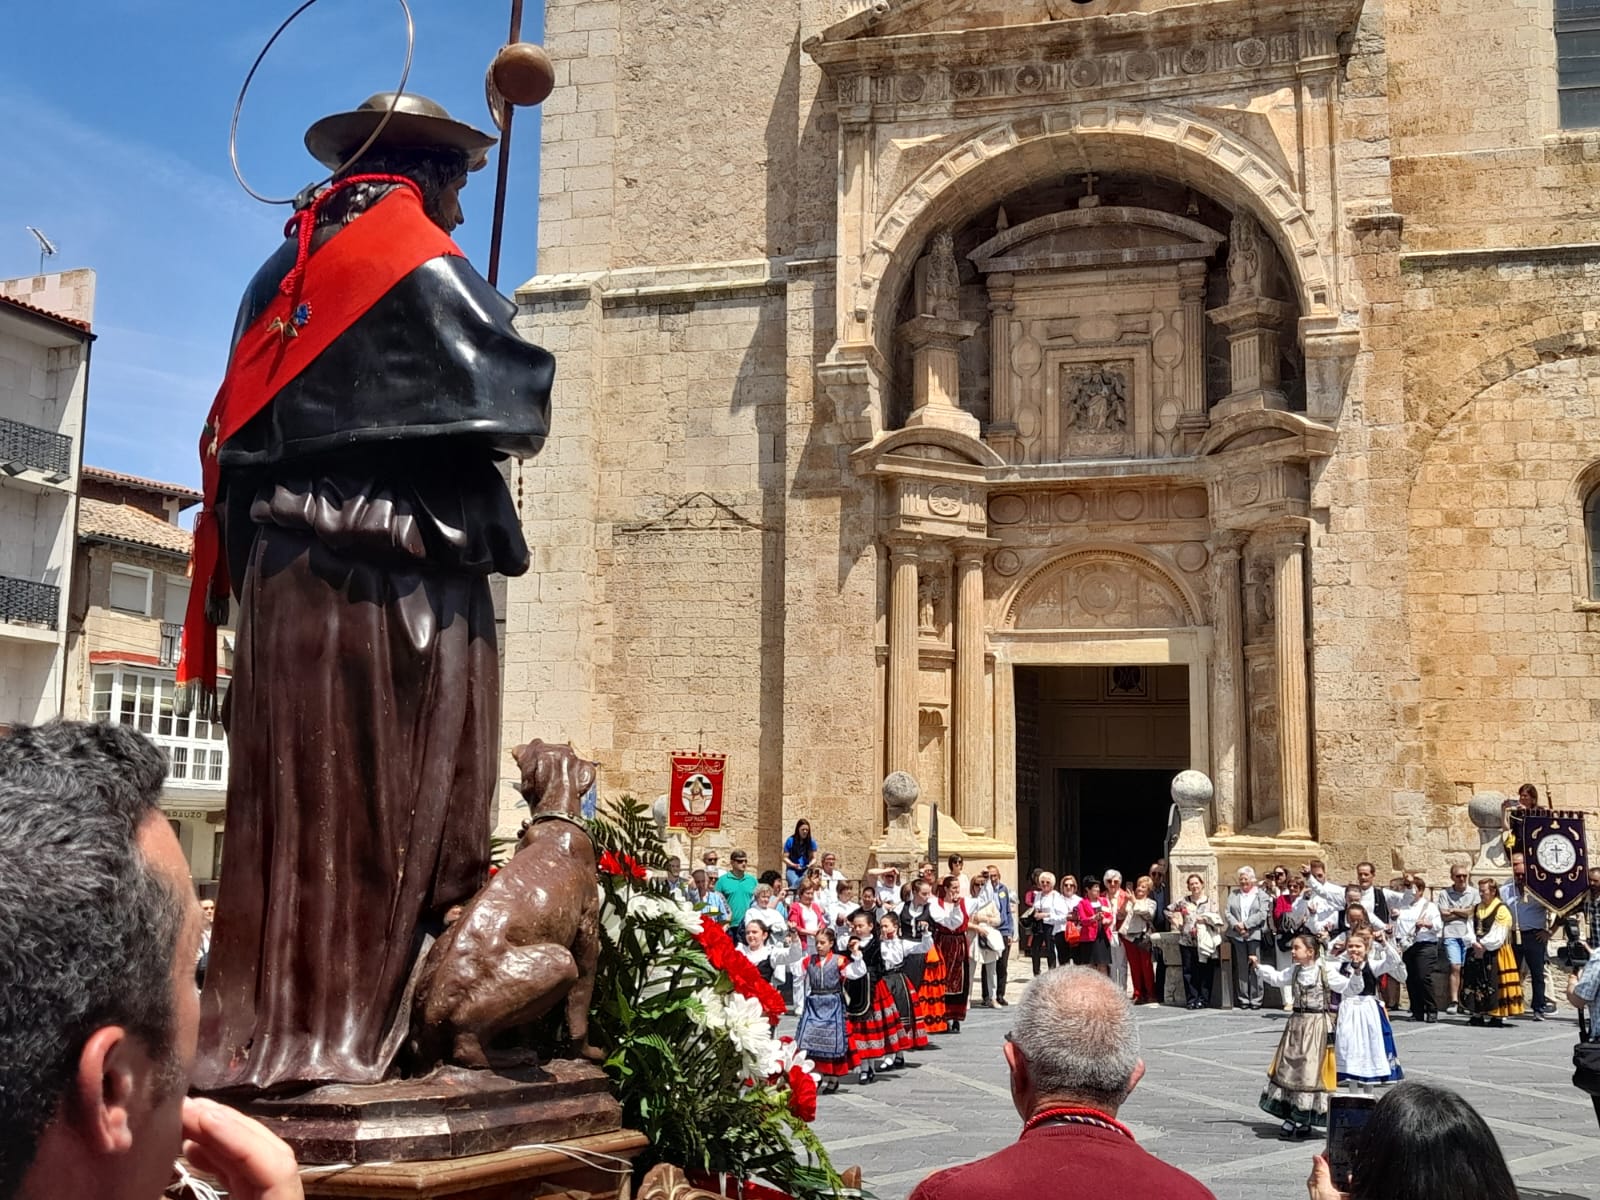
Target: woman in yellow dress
x=1491 y=985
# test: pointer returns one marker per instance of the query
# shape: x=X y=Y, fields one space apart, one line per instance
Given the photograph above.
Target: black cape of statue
x=362 y=513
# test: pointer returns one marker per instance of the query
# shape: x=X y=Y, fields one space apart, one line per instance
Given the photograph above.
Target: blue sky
x=115 y=142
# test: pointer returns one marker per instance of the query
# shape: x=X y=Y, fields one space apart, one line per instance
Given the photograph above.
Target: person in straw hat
x=354 y=511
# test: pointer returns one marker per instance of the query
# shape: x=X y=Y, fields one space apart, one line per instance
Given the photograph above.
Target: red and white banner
x=694 y=801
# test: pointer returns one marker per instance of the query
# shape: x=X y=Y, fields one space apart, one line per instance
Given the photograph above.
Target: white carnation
x=741 y=1020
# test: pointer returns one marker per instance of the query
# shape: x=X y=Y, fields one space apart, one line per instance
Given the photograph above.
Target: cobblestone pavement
x=1196 y=1107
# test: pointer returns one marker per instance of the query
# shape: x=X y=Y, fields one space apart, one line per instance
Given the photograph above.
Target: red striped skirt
x=930 y=996
x=877 y=1034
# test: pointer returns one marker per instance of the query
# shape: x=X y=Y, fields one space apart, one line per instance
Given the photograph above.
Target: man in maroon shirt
x=1074 y=1057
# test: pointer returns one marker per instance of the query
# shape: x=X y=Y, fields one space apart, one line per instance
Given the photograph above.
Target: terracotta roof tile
x=70 y=322
x=177 y=490
x=124 y=523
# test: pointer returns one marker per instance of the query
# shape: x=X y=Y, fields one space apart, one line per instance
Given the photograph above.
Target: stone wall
x=655 y=517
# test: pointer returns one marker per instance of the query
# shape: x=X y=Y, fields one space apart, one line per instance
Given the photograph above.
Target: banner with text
x=694 y=801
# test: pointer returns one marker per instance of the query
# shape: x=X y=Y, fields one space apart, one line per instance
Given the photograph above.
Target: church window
x=1591 y=536
x=1578 y=62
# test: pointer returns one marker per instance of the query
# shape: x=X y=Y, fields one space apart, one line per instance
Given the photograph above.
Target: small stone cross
x=1089 y=199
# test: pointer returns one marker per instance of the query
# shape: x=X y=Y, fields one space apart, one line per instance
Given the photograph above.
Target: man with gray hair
x=98 y=1009
x=1074 y=1058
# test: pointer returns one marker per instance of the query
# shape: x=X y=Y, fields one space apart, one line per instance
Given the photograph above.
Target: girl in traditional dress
x=771 y=958
x=889 y=955
x=1297 y=1088
x=1491 y=985
x=950 y=940
x=1362 y=1036
x=917 y=922
x=871 y=1016
x=805 y=916
x=824 y=1032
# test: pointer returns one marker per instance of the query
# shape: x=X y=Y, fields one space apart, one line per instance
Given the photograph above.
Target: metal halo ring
x=238 y=105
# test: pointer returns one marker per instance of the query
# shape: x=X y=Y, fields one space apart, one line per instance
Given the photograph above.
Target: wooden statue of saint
x=354 y=512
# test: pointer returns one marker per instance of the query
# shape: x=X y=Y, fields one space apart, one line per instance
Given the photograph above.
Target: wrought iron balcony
x=29 y=603
x=27 y=447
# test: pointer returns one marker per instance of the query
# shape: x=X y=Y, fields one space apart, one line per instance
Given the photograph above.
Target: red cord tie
x=304 y=223
x=1077 y=1116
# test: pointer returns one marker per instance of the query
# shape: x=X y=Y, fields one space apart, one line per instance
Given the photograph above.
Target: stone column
x=1193 y=420
x=1229 y=718
x=1293 y=716
x=901 y=708
x=974 y=806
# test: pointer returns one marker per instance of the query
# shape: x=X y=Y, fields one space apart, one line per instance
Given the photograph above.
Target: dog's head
x=554 y=777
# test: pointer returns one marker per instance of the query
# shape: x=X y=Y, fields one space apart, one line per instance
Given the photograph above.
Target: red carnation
x=626 y=865
x=802 y=1094
x=722 y=954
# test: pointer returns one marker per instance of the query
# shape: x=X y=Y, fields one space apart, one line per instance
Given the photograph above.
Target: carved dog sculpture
x=529 y=939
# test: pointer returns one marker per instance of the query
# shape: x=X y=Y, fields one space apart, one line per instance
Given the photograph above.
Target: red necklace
x=1076 y=1116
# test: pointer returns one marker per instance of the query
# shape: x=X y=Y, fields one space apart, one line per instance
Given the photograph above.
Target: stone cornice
x=1182 y=48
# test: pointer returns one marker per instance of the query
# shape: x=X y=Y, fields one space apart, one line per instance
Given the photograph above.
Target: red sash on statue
x=322 y=297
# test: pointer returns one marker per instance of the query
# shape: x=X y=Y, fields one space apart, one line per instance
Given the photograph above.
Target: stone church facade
x=1044 y=397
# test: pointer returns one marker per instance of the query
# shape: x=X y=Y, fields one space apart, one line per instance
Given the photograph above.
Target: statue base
x=565 y=1169
x=452 y=1114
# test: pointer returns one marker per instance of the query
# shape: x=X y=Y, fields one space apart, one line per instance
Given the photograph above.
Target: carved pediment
x=1102 y=589
x=1111 y=235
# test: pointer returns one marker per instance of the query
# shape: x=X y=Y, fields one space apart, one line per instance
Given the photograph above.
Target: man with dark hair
x=355 y=510
x=1073 y=1055
x=98 y=1010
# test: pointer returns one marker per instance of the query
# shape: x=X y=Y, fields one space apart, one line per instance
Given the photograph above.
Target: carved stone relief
x=1158 y=69
x=1246 y=262
x=1107 y=300
x=1101 y=590
x=1261 y=691
x=1258 y=587
x=1094 y=408
x=1098 y=506
x=931 y=592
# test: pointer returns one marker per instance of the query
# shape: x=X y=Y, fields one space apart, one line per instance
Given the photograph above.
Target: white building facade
x=44 y=381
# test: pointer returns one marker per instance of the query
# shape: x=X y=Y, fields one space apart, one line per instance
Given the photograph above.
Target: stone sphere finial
x=1487 y=810
x=900 y=792
x=1191 y=789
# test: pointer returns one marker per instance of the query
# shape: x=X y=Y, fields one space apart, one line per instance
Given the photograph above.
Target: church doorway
x=1097 y=747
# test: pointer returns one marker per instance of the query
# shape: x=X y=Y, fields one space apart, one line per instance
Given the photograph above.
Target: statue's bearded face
x=447 y=212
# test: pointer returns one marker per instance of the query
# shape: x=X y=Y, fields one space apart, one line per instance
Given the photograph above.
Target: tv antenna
x=47 y=248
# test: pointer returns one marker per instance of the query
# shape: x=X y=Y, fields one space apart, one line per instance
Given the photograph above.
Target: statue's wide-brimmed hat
x=417 y=123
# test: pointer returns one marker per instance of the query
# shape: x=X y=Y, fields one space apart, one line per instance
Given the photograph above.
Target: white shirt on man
x=1418 y=922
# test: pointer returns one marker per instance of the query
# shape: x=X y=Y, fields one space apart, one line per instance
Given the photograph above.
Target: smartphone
x=1346 y=1117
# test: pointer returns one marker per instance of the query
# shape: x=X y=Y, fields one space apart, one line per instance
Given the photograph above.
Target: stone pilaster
x=1002 y=433
x=1229 y=716
x=901 y=709
x=1193 y=420
x=974 y=807
x=1293 y=714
